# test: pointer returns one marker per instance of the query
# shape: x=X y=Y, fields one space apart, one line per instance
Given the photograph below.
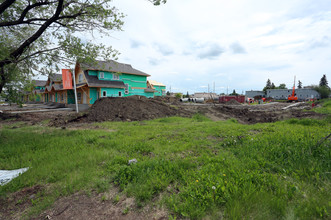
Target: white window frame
x=120 y=94
x=102 y=75
x=104 y=93
x=126 y=91
x=116 y=76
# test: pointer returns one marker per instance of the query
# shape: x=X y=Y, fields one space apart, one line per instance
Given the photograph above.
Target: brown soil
x=100 y=206
x=14 y=207
x=134 y=108
x=79 y=206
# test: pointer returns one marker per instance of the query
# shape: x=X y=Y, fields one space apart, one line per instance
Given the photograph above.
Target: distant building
x=251 y=94
x=302 y=94
x=205 y=95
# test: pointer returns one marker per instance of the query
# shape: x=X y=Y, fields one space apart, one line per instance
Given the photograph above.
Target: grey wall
x=251 y=94
x=302 y=94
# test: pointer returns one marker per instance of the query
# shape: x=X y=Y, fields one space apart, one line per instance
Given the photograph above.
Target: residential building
x=160 y=89
x=253 y=93
x=102 y=79
x=302 y=94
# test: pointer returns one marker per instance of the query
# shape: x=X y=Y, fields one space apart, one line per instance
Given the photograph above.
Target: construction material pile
x=132 y=108
x=233 y=102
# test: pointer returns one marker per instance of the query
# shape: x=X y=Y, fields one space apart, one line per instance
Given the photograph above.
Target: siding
x=93 y=95
x=112 y=92
x=302 y=94
x=159 y=90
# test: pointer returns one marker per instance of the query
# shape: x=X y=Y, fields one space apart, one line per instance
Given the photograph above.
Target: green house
x=109 y=79
x=160 y=89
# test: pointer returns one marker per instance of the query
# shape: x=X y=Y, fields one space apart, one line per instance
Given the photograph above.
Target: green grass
x=326 y=106
x=199 y=168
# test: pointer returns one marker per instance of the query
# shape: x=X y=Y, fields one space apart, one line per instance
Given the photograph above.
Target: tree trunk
x=3 y=79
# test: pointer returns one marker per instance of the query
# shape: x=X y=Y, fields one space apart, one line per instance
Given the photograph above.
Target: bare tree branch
x=6 y=4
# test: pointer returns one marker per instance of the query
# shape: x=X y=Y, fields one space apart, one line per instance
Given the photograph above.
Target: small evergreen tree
x=299 y=84
x=267 y=86
x=324 y=81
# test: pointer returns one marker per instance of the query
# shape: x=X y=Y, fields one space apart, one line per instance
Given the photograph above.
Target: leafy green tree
x=324 y=91
x=37 y=35
x=324 y=81
x=272 y=86
x=282 y=86
x=299 y=84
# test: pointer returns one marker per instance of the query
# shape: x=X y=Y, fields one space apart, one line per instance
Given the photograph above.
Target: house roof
x=55 y=77
x=93 y=81
x=57 y=87
x=113 y=66
x=39 y=82
x=154 y=83
x=48 y=88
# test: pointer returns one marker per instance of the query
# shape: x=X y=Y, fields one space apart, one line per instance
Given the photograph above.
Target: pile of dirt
x=132 y=108
x=6 y=116
x=233 y=102
x=167 y=99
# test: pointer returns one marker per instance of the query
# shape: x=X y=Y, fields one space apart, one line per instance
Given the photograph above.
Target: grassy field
x=196 y=167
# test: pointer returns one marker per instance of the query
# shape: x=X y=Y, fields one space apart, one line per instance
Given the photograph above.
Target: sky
x=193 y=45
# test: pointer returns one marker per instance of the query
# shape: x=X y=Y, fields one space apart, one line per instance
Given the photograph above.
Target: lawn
x=196 y=168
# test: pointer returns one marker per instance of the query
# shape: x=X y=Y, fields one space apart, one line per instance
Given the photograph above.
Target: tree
x=299 y=84
x=187 y=95
x=324 y=91
x=282 y=86
x=234 y=92
x=273 y=86
x=267 y=86
x=36 y=35
x=324 y=81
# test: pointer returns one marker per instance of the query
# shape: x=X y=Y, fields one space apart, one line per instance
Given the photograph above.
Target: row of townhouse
x=282 y=94
x=103 y=79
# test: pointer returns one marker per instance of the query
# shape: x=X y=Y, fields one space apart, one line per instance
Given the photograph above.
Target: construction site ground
x=80 y=206
x=140 y=108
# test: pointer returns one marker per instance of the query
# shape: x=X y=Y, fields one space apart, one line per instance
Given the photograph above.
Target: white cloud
x=236 y=44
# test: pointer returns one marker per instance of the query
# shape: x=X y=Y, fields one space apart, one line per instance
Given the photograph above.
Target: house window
x=104 y=94
x=119 y=94
x=80 y=78
x=79 y=96
x=126 y=88
x=116 y=77
x=102 y=75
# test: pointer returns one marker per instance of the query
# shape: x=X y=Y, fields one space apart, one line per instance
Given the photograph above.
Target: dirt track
x=140 y=108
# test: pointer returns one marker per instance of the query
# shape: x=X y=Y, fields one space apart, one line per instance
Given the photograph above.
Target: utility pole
x=73 y=74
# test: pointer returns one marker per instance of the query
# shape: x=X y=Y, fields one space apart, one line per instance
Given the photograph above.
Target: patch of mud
x=101 y=206
x=15 y=205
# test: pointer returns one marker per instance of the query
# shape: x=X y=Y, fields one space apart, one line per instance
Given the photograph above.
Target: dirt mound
x=233 y=102
x=5 y=116
x=167 y=99
x=133 y=108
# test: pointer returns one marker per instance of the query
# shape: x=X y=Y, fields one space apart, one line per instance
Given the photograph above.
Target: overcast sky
x=238 y=44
